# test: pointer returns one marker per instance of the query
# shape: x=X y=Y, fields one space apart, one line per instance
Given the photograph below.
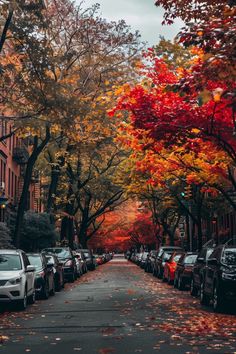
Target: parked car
x=183 y=272
x=170 y=267
x=144 y=256
x=90 y=262
x=17 y=278
x=53 y=261
x=219 y=283
x=198 y=270
x=80 y=255
x=158 y=266
x=150 y=261
x=44 y=277
x=67 y=259
x=99 y=259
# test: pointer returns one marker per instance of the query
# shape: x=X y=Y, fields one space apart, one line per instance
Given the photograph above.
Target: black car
x=150 y=261
x=159 y=263
x=53 y=261
x=90 y=261
x=198 y=270
x=183 y=272
x=66 y=257
x=44 y=276
x=219 y=283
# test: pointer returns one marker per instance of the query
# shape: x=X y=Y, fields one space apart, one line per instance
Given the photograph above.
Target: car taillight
x=69 y=263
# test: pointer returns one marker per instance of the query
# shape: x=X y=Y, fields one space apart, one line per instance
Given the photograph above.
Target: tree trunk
x=27 y=179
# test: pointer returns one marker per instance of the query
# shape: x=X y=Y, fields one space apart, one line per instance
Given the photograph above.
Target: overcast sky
x=141 y=15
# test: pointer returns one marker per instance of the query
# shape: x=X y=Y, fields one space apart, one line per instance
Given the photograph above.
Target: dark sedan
x=44 y=276
x=183 y=272
x=53 y=261
x=219 y=284
x=66 y=257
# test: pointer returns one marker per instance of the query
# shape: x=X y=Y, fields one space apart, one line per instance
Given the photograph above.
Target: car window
x=50 y=259
x=202 y=254
x=190 y=259
x=209 y=252
x=177 y=257
x=229 y=256
x=60 y=252
x=166 y=256
x=9 y=262
x=35 y=261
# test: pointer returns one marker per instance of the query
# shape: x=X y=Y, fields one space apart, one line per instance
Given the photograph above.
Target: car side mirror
x=200 y=260
x=30 y=268
x=212 y=261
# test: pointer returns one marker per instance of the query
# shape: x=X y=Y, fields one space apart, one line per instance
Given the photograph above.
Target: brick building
x=13 y=158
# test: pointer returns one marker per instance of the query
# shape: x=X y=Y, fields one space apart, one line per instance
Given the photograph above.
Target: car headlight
x=13 y=281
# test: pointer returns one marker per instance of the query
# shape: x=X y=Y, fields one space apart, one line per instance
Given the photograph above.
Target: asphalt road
x=118 y=309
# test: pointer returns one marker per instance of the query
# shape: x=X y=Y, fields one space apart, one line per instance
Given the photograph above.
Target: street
x=118 y=309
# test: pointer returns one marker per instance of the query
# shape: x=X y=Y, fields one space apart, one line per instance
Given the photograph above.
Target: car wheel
x=193 y=289
x=31 y=299
x=204 y=299
x=169 y=279
x=46 y=291
x=22 y=304
x=72 y=278
x=217 y=299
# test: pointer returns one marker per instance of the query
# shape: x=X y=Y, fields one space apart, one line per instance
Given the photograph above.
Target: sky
x=141 y=15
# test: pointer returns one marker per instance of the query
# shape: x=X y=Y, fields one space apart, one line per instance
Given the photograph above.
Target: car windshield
x=50 y=259
x=60 y=252
x=177 y=257
x=209 y=252
x=190 y=259
x=35 y=261
x=9 y=262
x=166 y=256
x=229 y=256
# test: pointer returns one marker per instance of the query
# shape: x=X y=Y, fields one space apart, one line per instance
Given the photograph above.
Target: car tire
x=72 y=278
x=193 y=289
x=204 y=299
x=217 y=299
x=22 y=304
x=31 y=299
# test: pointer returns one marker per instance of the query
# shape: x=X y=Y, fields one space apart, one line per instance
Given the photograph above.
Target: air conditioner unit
x=2 y=185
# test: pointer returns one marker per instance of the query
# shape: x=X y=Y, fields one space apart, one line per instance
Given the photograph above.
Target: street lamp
x=3 y=201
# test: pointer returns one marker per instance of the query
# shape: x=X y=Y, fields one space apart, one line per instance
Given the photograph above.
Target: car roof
x=10 y=251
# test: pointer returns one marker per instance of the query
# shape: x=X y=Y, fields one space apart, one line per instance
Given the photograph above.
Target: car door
x=198 y=267
x=211 y=270
x=29 y=275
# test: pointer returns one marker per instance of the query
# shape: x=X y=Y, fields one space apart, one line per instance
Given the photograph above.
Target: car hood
x=11 y=274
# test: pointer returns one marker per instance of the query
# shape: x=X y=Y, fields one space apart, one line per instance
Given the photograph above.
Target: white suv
x=17 y=278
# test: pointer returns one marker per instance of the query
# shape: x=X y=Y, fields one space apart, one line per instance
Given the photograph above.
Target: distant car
x=157 y=264
x=90 y=262
x=170 y=267
x=219 y=283
x=150 y=261
x=198 y=270
x=66 y=257
x=99 y=259
x=144 y=256
x=17 y=278
x=79 y=266
x=58 y=271
x=44 y=277
x=80 y=255
x=183 y=272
